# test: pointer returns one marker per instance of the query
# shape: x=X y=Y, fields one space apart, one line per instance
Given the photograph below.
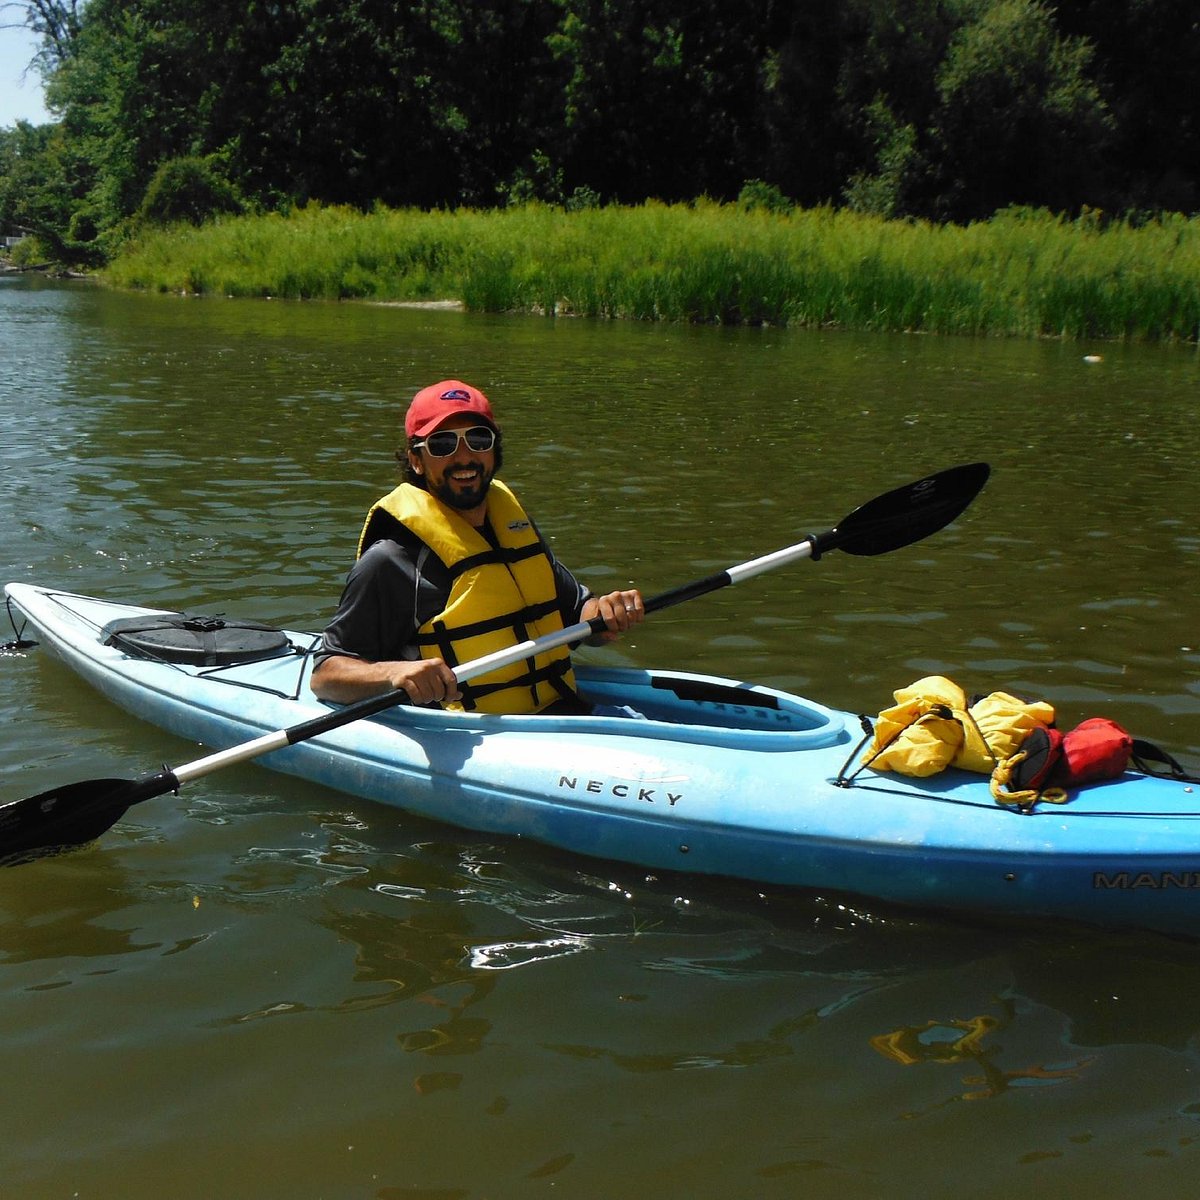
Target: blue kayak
x=718 y=777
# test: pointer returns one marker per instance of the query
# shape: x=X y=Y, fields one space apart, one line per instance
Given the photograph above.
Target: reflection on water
x=257 y=988
x=61 y=922
x=959 y=1042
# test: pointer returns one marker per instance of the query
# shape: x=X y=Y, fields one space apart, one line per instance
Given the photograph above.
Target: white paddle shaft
x=282 y=738
x=467 y=671
x=768 y=562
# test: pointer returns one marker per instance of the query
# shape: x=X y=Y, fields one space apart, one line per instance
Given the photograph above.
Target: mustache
x=448 y=494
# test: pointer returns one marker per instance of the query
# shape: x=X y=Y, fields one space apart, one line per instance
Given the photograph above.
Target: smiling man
x=450 y=568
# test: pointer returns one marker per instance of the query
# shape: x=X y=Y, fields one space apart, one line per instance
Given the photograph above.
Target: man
x=451 y=568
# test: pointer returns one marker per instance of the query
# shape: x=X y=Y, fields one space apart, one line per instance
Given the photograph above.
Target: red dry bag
x=1095 y=749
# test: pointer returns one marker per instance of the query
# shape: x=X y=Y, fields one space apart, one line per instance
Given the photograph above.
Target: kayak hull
x=720 y=778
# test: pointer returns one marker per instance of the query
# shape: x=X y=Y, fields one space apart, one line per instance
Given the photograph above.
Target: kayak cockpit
x=670 y=706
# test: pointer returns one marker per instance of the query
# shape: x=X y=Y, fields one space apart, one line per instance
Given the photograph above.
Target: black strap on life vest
x=443 y=637
x=502 y=555
x=552 y=673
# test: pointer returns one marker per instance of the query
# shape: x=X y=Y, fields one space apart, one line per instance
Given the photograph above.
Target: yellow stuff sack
x=919 y=735
x=996 y=726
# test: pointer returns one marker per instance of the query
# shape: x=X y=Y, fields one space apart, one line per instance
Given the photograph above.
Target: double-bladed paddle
x=78 y=812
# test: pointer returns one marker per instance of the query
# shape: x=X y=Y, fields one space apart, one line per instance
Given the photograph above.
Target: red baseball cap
x=441 y=401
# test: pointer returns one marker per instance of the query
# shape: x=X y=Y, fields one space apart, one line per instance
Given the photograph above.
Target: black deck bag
x=195 y=640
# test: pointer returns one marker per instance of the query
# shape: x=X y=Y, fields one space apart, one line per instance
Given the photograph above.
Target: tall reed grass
x=1022 y=273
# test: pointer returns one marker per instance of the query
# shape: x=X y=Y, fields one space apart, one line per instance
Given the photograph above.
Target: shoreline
x=432 y=305
x=1021 y=274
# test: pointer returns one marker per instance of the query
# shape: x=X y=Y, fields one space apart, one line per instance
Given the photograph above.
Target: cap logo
x=457 y=394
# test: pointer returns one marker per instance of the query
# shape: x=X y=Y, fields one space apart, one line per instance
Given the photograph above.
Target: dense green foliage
x=187 y=189
x=935 y=109
x=1021 y=273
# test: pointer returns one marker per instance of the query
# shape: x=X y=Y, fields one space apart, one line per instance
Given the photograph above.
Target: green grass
x=1022 y=273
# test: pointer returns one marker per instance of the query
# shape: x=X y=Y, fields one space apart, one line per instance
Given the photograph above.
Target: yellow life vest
x=499 y=597
x=930 y=727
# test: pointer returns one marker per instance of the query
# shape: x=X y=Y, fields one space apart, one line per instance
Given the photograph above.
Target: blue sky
x=20 y=100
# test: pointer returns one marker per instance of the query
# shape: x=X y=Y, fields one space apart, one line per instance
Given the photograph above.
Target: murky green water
x=260 y=989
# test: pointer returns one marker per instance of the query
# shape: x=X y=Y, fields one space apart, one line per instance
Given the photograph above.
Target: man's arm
x=365 y=649
x=341 y=679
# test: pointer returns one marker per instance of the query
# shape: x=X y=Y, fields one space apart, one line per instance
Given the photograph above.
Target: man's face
x=459 y=479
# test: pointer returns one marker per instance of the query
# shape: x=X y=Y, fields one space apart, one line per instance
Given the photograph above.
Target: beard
x=464 y=499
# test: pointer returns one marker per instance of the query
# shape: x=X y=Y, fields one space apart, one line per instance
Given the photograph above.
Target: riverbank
x=1022 y=273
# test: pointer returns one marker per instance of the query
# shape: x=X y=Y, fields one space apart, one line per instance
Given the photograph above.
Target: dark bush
x=187 y=189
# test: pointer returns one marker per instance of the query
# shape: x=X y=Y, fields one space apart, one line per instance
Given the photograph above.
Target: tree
x=1019 y=121
x=933 y=108
x=662 y=99
x=40 y=191
x=800 y=74
x=56 y=22
x=1145 y=68
x=887 y=98
x=187 y=189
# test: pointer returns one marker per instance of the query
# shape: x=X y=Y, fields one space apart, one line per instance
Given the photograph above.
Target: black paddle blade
x=73 y=814
x=907 y=514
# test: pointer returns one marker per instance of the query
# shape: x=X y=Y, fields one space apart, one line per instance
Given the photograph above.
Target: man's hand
x=618 y=610
x=343 y=680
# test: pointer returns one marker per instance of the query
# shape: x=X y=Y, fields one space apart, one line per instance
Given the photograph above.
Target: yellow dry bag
x=920 y=734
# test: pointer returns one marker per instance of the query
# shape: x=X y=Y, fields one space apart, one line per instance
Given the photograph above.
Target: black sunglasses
x=444 y=442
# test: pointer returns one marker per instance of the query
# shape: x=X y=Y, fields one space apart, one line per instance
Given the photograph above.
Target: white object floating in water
x=1093 y=358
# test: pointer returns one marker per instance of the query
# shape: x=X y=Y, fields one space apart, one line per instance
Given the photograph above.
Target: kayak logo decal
x=1129 y=881
x=636 y=789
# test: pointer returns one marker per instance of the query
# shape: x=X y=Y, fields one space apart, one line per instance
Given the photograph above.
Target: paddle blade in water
x=73 y=814
x=907 y=514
